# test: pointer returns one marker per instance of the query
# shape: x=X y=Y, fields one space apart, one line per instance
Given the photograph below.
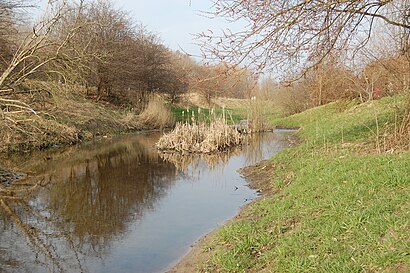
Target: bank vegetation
x=338 y=202
x=85 y=68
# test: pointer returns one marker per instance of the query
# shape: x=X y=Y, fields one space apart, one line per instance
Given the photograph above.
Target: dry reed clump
x=255 y=115
x=157 y=114
x=200 y=138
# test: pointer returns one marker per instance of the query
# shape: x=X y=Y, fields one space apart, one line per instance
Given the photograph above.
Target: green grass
x=232 y=114
x=337 y=210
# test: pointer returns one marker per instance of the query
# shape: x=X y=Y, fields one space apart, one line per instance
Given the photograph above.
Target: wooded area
x=297 y=54
x=96 y=45
x=99 y=53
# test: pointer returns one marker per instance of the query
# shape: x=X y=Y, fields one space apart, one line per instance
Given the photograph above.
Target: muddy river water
x=117 y=205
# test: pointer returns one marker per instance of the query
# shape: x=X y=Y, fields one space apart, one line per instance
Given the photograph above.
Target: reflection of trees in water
x=195 y=161
x=88 y=198
x=254 y=151
x=86 y=206
x=258 y=143
x=23 y=215
x=101 y=196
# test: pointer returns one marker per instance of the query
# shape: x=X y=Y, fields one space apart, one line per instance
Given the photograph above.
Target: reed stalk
x=200 y=137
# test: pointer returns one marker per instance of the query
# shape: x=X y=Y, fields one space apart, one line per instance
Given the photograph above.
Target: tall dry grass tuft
x=396 y=136
x=157 y=114
x=255 y=115
x=200 y=138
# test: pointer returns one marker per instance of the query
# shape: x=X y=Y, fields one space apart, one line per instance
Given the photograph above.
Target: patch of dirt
x=199 y=253
x=196 y=256
x=259 y=176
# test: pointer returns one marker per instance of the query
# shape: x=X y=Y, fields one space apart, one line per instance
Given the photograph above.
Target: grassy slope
x=232 y=114
x=339 y=208
x=235 y=109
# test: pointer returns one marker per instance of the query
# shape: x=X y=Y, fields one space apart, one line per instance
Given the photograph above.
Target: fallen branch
x=16 y=104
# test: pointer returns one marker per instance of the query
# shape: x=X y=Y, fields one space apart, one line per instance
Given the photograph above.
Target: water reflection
x=92 y=194
x=81 y=207
x=256 y=148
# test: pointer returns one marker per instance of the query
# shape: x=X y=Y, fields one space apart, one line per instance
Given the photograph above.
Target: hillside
x=337 y=202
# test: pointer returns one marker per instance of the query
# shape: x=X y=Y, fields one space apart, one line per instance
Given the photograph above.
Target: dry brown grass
x=200 y=138
x=231 y=103
x=255 y=115
x=157 y=114
x=61 y=114
x=396 y=136
x=193 y=98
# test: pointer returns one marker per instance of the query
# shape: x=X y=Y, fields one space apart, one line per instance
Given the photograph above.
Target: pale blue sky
x=173 y=20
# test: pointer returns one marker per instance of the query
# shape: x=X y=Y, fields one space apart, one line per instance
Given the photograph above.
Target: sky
x=173 y=20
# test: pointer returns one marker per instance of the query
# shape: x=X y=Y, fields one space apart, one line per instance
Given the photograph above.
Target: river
x=117 y=205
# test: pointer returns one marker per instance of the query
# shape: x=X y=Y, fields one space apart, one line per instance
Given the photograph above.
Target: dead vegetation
x=157 y=113
x=60 y=114
x=200 y=138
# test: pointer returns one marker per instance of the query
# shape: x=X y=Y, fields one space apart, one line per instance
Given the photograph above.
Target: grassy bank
x=235 y=109
x=64 y=114
x=340 y=202
x=233 y=115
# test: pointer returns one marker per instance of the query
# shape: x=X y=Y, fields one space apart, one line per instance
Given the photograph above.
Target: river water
x=117 y=205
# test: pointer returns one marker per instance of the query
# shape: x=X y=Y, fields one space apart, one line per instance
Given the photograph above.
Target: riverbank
x=60 y=115
x=338 y=202
x=57 y=115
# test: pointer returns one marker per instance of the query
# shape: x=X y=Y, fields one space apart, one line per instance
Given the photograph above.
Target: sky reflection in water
x=119 y=206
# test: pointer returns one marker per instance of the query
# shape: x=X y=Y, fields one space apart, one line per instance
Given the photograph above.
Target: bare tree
x=38 y=48
x=297 y=34
x=10 y=16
